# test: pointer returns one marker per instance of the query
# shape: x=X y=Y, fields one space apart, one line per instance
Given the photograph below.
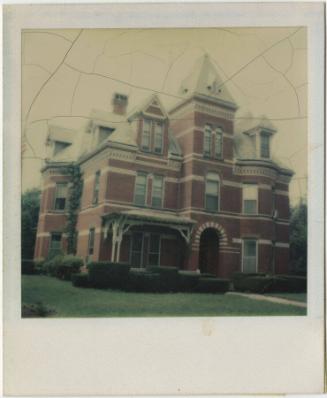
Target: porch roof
x=150 y=216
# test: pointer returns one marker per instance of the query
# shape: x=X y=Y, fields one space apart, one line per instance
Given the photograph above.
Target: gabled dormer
x=151 y=122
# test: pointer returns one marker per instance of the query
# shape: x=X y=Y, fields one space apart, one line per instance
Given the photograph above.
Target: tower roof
x=205 y=80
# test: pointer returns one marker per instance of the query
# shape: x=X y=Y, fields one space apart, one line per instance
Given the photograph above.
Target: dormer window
x=104 y=133
x=152 y=139
x=59 y=146
x=265 y=145
x=158 y=137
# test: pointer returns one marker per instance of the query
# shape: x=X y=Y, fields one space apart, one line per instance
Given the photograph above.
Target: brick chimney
x=119 y=102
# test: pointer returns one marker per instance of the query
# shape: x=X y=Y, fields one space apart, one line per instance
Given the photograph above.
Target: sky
x=67 y=73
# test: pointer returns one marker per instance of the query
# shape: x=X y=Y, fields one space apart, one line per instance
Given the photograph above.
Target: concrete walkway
x=277 y=300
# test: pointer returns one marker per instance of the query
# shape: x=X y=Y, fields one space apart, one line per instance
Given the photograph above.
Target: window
x=91 y=241
x=61 y=195
x=146 y=135
x=59 y=146
x=55 y=244
x=249 y=255
x=104 y=133
x=96 y=188
x=265 y=146
x=137 y=249
x=140 y=189
x=154 y=250
x=207 y=141
x=219 y=144
x=250 y=199
x=212 y=192
x=157 y=189
x=158 y=138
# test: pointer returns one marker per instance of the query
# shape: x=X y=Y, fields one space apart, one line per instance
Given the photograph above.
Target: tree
x=298 y=237
x=30 y=215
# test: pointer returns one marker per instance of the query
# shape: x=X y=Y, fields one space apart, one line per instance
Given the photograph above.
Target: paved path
x=277 y=300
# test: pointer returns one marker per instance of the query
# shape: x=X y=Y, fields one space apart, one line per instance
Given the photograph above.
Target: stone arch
x=210 y=224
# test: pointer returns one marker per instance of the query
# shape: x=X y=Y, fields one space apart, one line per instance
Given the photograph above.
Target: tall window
x=265 y=145
x=154 y=250
x=146 y=133
x=140 y=189
x=91 y=241
x=96 y=188
x=157 y=190
x=137 y=249
x=207 y=141
x=249 y=255
x=61 y=195
x=212 y=192
x=219 y=144
x=158 y=137
x=55 y=243
x=250 y=199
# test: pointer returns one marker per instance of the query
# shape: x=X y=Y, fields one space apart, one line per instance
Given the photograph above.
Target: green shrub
x=27 y=267
x=188 y=281
x=80 y=280
x=290 y=284
x=242 y=275
x=169 y=278
x=39 y=267
x=69 y=265
x=254 y=284
x=51 y=266
x=147 y=282
x=212 y=285
x=36 y=310
x=108 y=275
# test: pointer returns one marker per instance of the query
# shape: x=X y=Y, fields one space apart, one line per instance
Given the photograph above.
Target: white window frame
x=219 y=131
x=156 y=123
x=214 y=177
x=56 y=197
x=162 y=190
x=146 y=175
x=207 y=129
x=257 y=199
x=268 y=136
x=159 y=251
x=146 y=121
x=256 y=249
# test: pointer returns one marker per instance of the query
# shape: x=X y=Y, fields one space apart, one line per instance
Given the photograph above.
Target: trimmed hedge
x=52 y=265
x=188 y=281
x=27 y=267
x=80 y=280
x=39 y=267
x=261 y=283
x=147 y=282
x=212 y=285
x=68 y=266
x=169 y=278
x=105 y=275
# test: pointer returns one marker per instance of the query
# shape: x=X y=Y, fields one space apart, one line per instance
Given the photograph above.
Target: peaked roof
x=205 y=80
x=151 y=105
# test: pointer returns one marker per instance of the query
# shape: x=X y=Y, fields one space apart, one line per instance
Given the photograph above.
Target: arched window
x=212 y=192
x=207 y=141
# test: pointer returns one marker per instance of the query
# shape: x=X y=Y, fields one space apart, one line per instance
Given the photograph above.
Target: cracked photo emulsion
x=164 y=172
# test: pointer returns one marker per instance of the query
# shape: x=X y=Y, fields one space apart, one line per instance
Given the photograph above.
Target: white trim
x=264 y=242
x=279 y=192
x=199 y=158
x=257 y=199
x=256 y=248
x=237 y=240
x=282 y=244
x=43 y=235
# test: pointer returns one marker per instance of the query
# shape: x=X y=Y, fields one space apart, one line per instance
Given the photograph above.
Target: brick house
x=182 y=187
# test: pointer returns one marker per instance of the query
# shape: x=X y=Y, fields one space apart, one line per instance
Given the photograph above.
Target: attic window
x=59 y=146
x=265 y=145
x=104 y=133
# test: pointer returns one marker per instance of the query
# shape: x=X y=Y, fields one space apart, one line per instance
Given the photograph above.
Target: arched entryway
x=209 y=251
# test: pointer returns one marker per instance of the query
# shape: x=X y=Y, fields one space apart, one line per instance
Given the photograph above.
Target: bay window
x=157 y=191
x=61 y=196
x=249 y=258
x=140 y=189
x=212 y=192
x=250 y=199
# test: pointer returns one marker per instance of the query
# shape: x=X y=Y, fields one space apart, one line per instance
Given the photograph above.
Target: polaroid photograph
x=164 y=199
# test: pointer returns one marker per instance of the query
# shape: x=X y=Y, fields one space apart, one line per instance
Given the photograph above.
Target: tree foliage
x=298 y=237
x=75 y=194
x=30 y=214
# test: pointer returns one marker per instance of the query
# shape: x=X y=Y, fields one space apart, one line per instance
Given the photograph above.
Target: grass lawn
x=302 y=297
x=69 y=301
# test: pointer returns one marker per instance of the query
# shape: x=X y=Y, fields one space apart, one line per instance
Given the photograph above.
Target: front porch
x=145 y=238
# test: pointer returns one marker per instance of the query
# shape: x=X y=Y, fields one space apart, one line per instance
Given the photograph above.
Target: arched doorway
x=209 y=251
